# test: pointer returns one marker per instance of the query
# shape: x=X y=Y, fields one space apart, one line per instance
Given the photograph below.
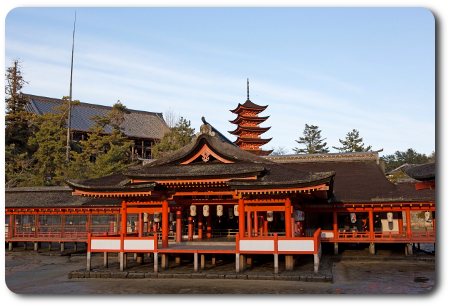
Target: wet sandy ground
x=354 y=272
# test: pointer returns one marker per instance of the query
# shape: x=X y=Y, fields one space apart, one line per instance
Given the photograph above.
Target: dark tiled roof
x=268 y=174
x=140 y=124
x=364 y=181
x=423 y=172
x=51 y=197
x=353 y=177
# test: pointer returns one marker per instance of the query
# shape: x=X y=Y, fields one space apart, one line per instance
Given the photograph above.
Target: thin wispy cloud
x=151 y=66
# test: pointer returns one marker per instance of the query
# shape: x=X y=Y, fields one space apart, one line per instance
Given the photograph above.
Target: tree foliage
x=399 y=158
x=352 y=143
x=103 y=154
x=178 y=136
x=17 y=129
x=312 y=140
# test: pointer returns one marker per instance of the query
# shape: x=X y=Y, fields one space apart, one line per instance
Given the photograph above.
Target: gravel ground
x=354 y=271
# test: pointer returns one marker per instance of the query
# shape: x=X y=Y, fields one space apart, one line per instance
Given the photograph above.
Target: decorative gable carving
x=205 y=152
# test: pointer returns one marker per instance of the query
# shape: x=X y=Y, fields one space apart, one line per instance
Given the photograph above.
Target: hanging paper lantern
x=299 y=215
x=353 y=218
x=427 y=216
x=193 y=210
x=205 y=210
x=145 y=217
x=230 y=213
x=236 y=210
x=269 y=216
x=390 y=217
x=171 y=217
x=219 y=210
x=157 y=217
x=282 y=216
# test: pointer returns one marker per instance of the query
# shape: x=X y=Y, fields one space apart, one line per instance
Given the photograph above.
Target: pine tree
x=48 y=144
x=352 y=143
x=103 y=154
x=312 y=140
x=178 y=136
x=17 y=128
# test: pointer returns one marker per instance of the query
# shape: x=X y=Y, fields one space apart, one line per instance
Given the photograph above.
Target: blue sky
x=370 y=69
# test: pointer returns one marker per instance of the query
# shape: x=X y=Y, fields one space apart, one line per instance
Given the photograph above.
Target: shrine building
x=216 y=191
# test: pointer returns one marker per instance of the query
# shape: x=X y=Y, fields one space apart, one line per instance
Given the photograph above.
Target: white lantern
x=145 y=217
x=390 y=217
x=299 y=215
x=205 y=210
x=353 y=218
x=427 y=216
x=236 y=210
x=193 y=210
x=269 y=216
x=219 y=210
x=171 y=217
x=282 y=216
x=157 y=217
x=230 y=213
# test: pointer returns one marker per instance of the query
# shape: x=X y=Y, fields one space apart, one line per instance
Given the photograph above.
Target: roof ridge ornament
x=206 y=128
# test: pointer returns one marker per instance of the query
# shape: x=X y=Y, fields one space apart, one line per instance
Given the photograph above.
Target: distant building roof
x=423 y=172
x=399 y=168
x=139 y=124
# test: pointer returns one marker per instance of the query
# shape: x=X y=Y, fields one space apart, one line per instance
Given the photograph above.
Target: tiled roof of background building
x=142 y=124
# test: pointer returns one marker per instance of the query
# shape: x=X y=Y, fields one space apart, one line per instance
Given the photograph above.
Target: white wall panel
x=139 y=244
x=296 y=245
x=105 y=244
x=256 y=245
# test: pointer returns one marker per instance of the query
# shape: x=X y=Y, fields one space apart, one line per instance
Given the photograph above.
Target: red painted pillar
x=208 y=226
x=155 y=225
x=408 y=223
x=249 y=224
x=190 y=228
x=400 y=222
x=141 y=225
x=165 y=223
x=255 y=223
x=200 y=224
x=371 y=234
x=124 y=218
x=179 y=227
x=266 y=225
x=241 y=218
x=287 y=217
x=335 y=224
x=292 y=222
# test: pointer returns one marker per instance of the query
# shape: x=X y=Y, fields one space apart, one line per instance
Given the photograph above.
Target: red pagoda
x=248 y=130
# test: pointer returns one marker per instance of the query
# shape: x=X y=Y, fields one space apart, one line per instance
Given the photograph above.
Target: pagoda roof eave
x=238 y=119
x=251 y=129
x=249 y=140
x=248 y=105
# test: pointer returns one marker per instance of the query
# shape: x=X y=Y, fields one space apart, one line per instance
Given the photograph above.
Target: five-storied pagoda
x=248 y=130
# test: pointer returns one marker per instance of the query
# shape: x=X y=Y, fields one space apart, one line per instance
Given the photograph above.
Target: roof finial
x=248 y=91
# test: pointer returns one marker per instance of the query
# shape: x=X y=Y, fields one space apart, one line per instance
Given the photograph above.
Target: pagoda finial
x=248 y=95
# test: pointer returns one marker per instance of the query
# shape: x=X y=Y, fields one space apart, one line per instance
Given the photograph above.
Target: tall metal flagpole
x=70 y=97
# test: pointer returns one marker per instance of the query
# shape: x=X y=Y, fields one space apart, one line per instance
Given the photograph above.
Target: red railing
x=383 y=236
